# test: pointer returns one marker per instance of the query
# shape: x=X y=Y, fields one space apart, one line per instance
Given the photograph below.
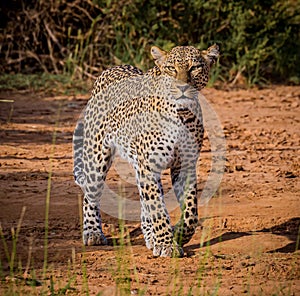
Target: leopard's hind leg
x=146 y=226
x=96 y=166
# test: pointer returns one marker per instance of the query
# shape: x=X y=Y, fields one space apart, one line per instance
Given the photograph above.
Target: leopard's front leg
x=151 y=194
x=184 y=182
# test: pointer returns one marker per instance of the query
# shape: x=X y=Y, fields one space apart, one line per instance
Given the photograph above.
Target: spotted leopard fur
x=154 y=121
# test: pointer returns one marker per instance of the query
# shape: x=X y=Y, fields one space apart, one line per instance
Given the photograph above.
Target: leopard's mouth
x=184 y=97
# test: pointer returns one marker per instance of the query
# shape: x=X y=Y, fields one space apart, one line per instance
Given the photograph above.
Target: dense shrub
x=258 y=39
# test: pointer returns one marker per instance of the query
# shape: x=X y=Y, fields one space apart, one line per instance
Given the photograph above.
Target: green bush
x=258 y=39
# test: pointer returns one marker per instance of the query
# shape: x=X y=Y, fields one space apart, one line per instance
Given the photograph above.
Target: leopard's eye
x=195 y=68
x=171 y=69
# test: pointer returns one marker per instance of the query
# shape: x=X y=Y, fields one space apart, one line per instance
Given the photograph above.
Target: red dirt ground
x=248 y=238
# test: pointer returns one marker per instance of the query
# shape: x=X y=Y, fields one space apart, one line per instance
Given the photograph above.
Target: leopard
x=152 y=119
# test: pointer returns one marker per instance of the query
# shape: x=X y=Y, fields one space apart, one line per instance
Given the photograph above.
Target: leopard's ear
x=158 y=55
x=211 y=54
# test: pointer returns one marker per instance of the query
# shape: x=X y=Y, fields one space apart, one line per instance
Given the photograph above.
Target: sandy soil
x=248 y=238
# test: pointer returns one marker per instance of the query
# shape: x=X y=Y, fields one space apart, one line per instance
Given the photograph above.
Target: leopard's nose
x=183 y=92
x=183 y=87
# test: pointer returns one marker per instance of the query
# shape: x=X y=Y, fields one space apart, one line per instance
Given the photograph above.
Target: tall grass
x=259 y=40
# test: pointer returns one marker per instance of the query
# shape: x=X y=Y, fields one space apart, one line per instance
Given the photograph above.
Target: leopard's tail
x=78 y=139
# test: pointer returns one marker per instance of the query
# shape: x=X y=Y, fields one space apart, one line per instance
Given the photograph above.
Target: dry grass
x=259 y=41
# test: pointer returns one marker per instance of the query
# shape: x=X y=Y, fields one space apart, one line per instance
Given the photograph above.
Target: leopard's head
x=186 y=63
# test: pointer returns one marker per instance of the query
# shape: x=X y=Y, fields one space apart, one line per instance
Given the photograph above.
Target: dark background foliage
x=259 y=40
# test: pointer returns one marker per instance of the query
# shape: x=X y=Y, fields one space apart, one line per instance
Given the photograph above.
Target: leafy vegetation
x=259 y=40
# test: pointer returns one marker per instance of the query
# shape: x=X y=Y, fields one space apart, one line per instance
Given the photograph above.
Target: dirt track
x=249 y=233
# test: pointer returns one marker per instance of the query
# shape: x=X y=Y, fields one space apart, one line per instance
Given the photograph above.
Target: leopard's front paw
x=94 y=238
x=182 y=235
x=168 y=251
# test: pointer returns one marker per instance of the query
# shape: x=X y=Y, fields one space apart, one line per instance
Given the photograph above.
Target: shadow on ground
x=289 y=229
